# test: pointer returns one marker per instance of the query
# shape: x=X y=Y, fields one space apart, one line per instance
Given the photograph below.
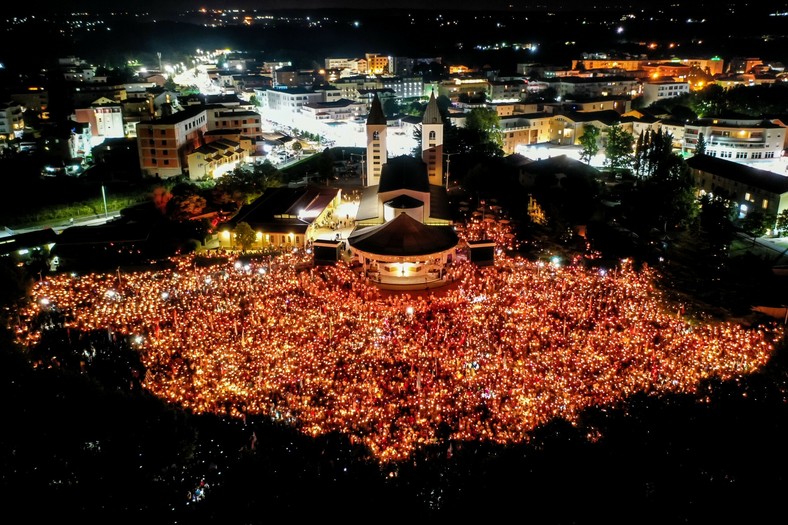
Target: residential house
x=215 y=158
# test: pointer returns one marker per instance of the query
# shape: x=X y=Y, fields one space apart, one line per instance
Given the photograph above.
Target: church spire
x=376 y=143
x=376 y=115
x=432 y=114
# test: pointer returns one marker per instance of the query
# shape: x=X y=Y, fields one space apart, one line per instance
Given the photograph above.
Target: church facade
x=404 y=235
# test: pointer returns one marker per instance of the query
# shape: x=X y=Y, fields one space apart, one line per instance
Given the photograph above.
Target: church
x=404 y=235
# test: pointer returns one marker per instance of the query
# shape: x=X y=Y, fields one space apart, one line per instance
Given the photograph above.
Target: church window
x=432 y=135
x=376 y=135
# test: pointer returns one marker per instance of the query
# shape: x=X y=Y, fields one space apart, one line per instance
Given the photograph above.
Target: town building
x=105 y=118
x=12 y=122
x=751 y=189
x=524 y=130
x=165 y=143
x=283 y=218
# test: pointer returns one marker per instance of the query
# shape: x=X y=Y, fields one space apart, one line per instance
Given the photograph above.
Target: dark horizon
x=171 y=6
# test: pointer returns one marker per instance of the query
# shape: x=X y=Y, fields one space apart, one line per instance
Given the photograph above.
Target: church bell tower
x=432 y=141
x=376 y=143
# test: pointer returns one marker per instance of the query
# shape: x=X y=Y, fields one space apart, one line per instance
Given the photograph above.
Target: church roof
x=560 y=164
x=376 y=115
x=403 y=202
x=432 y=114
x=404 y=173
x=282 y=207
x=403 y=236
x=368 y=207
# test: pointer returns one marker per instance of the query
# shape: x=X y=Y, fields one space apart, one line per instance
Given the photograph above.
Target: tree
x=709 y=101
x=484 y=131
x=297 y=148
x=245 y=236
x=781 y=224
x=664 y=196
x=548 y=94
x=588 y=143
x=186 y=206
x=716 y=224
x=325 y=165
x=170 y=85
x=756 y=223
x=637 y=162
x=619 y=148
x=390 y=106
x=700 y=147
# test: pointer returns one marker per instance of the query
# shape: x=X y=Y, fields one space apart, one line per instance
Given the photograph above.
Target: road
x=59 y=226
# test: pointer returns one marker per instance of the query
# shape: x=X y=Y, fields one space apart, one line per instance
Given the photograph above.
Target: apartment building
x=510 y=90
x=620 y=104
x=524 y=129
x=12 y=122
x=659 y=90
x=751 y=189
x=378 y=64
x=351 y=87
x=342 y=109
x=105 y=118
x=457 y=87
x=165 y=143
x=711 y=66
x=566 y=128
x=33 y=98
x=403 y=87
x=291 y=99
x=739 y=140
x=222 y=118
x=594 y=87
x=291 y=76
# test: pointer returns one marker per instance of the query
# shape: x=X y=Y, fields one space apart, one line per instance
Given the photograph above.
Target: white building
x=341 y=110
x=739 y=140
x=659 y=90
x=214 y=159
x=12 y=124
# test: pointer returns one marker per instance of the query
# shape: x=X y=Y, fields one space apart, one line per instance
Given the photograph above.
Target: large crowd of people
x=507 y=348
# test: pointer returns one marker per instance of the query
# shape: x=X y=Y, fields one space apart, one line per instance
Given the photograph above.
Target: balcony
x=738 y=144
x=719 y=139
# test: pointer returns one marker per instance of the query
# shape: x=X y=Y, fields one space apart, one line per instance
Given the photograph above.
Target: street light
x=448 y=162
x=104 y=197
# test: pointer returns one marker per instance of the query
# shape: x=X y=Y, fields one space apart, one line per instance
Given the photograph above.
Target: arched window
x=432 y=135
x=376 y=135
